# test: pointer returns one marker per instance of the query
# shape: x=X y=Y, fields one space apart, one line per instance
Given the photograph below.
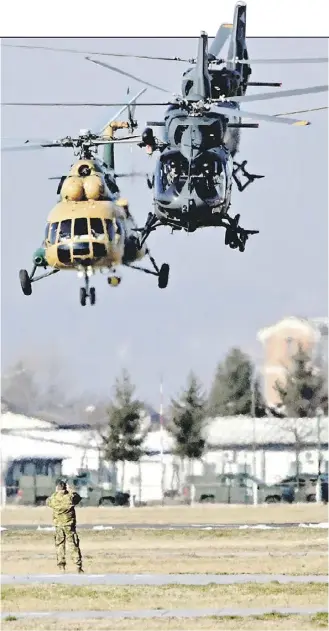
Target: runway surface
x=208 y=526
x=166 y=613
x=156 y=579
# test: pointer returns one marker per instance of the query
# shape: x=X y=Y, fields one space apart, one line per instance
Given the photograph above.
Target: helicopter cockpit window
x=81 y=228
x=47 y=231
x=65 y=230
x=53 y=232
x=174 y=170
x=210 y=178
x=96 y=228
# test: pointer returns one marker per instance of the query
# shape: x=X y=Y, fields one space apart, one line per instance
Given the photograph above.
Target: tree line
x=235 y=391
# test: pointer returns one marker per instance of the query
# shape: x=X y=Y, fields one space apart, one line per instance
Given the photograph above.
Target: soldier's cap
x=61 y=482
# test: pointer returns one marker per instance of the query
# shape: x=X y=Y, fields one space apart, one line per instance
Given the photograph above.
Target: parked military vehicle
x=31 y=480
x=97 y=493
x=239 y=488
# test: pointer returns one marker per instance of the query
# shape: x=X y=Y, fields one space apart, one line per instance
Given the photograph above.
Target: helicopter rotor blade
x=15 y=104
x=71 y=143
x=127 y=74
x=296 y=60
x=30 y=147
x=231 y=113
x=221 y=37
x=93 y=52
x=305 y=60
x=265 y=96
x=313 y=109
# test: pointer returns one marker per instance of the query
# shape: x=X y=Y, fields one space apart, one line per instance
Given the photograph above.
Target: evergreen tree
x=304 y=390
x=303 y=394
x=235 y=391
x=188 y=415
x=124 y=439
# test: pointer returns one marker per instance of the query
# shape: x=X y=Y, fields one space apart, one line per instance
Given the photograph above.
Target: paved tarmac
x=165 y=613
x=208 y=526
x=157 y=579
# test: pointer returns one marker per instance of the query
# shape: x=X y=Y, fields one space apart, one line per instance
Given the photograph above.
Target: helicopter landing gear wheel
x=25 y=282
x=83 y=296
x=242 y=247
x=163 y=276
x=92 y=295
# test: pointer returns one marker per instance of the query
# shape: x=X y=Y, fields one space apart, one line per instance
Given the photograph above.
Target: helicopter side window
x=81 y=228
x=97 y=228
x=53 y=232
x=65 y=230
x=110 y=229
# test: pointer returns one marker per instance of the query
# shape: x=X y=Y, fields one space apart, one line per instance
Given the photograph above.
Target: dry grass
x=102 y=598
x=293 y=551
x=272 y=622
x=276 y=513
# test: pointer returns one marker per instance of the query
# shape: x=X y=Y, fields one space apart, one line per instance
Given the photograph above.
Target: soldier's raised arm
x=76 y=499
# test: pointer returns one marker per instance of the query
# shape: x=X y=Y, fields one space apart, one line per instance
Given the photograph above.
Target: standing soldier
x=63 y=503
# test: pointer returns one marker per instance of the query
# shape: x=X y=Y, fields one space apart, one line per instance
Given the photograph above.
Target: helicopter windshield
x=81 y=228
x=209 y=176
x=65 y=230
x=171 y=173
x=97 y=228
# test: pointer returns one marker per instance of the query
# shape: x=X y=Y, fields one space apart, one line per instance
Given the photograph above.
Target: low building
x=264 y=447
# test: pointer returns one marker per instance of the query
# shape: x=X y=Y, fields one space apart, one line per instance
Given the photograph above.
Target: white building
x=265 y=447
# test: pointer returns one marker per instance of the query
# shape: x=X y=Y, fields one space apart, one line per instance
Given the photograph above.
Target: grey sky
x=216 y=297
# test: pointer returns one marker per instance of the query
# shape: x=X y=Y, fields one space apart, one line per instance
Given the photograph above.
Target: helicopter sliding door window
x=53 y=233
x=65 y=230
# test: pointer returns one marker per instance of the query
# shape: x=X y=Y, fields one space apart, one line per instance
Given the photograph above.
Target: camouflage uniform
x=64 y=518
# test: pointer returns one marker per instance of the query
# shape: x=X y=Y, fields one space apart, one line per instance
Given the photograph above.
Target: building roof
x=244 y=430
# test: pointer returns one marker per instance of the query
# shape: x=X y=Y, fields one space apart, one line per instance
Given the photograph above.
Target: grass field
x=101 y=597
x=290 y=551
x=276 y=513
x=268 y=622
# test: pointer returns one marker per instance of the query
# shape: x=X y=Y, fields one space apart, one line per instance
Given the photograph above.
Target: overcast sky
x=216 y=297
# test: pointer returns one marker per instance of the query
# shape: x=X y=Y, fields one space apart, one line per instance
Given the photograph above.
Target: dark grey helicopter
x=194 y=174
x=197 y=166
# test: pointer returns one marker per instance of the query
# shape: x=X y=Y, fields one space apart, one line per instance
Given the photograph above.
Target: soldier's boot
x=80 y=570
x=61 y=568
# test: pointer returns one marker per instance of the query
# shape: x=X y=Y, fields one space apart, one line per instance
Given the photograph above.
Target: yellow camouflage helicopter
x=91 y=228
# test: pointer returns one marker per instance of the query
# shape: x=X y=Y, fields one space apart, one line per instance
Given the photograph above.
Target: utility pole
x=253 y=416
x=318 y=427
x=161 y=441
